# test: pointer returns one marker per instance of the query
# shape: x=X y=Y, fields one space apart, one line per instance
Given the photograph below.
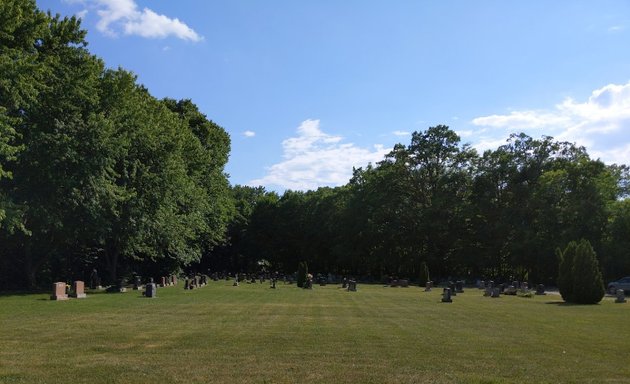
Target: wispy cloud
x=314 y=159
x=249 y=133
x=616 y=28
x=123 y=16
x=601 y=123
x=401 y=133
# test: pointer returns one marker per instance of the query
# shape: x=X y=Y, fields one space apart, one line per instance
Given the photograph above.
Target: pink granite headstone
x=78 y=290
x=59 y=291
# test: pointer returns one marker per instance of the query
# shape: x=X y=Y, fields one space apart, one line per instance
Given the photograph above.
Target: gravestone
x=428 y=286
x=496 y=292
x=515 y=284
x=404 y=283
x=150 y=290
x=163 y=282
x=119 y=287
x=487 y=291
x=446 y=296
x=511 y=290
x=524 y=286
x=78 y=289
x=540 y=289
x=235 y=284
x=59 y=291
x=174 y=280
x=137 y=283
x=352 y=285
x=621 y=296
x=344 y=283
x=451 y=285
x=394 y=283
x=273 y=283
x=459 y=286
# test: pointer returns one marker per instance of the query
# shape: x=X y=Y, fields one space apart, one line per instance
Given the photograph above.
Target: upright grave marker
x=78 y=289
x=446 y=296
x=150 y=290
x=59 y=291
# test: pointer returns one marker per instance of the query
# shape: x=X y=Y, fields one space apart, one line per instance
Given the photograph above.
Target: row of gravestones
x=195 y=281
x=60 y=290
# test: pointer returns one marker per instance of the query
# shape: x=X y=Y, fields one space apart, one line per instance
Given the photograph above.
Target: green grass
x=253 y=334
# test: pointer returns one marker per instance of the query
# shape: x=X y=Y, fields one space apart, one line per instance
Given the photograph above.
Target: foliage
x=565 y=276
x=580 y=279
x=588 y=286
x=94 y=171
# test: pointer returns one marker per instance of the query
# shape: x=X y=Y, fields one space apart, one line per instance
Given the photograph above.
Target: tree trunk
x=29 y=269
x=111 y=257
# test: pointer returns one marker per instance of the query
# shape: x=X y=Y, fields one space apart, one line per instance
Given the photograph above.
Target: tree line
x=96 y=173
x=437 y=202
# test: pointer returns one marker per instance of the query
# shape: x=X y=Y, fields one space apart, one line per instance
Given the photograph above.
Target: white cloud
x=314 y=159
x=81 y=14
x=249 y=133
x=601 y=123
x=116 y=16
x=401 y=133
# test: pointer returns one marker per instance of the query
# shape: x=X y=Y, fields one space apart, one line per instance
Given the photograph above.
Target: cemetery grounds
x=254 y=334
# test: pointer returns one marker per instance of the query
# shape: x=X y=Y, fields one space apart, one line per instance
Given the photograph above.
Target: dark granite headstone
x=540 y=289
x=621 y=296
x=446 y=296
x=150 y=289
x=451 y=285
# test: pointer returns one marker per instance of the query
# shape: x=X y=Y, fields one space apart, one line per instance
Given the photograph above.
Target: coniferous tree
x=588 y=286
x=565 y=275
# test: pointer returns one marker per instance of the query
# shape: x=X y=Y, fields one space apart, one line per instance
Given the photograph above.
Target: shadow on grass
x=22 y=293
x=565 y=304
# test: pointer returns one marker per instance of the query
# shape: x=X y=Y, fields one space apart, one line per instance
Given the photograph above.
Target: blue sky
x=308 y=89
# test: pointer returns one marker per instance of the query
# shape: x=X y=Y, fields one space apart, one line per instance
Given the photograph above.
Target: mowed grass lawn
x=254 y=334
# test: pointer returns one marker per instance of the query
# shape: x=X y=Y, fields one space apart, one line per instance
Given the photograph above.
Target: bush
x=565 y=275
x=588 y=285
x=301 y=273
x=580 y=280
